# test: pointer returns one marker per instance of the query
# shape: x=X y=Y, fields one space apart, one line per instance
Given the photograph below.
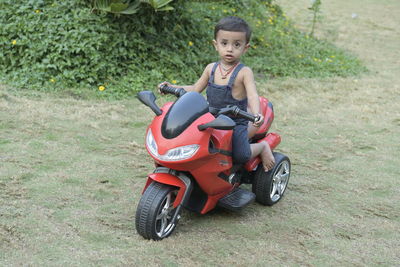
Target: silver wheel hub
x=280 y=180
x=163 y=220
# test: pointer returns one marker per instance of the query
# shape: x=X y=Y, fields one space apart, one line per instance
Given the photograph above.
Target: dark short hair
x=233 y=24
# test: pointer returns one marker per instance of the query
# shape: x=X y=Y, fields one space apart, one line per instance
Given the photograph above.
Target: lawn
x=72 y=170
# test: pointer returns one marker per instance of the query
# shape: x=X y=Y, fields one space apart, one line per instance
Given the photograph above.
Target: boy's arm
x=199 y=86
x=252 y=96
x=202 y=82
x=251 y=91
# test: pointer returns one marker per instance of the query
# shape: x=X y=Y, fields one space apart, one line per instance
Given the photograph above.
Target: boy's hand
x=161 y=84
x=259 y=120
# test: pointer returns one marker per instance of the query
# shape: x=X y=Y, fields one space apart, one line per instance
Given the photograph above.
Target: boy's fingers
x=160 y=85
x=258 y=121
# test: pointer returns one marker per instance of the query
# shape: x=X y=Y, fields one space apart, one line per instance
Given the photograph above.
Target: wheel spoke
x=170 y=208
x=160 y=216
x=285 y=177
x=167 y=202
x=273 y=191
x=279 y=173
x=279 y=187
x=277 y=179
x=164 y=222
x=286 y=168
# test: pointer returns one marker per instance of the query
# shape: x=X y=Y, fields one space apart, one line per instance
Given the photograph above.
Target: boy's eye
x=237 y=45
x=223 y=43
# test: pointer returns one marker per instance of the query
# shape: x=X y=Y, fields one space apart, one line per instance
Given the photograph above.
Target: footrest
x=236 y=199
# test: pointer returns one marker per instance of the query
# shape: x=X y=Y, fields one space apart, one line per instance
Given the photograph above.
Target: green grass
x=72 y=171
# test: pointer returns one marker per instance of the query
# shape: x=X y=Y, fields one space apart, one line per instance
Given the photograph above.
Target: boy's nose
x=230 y=47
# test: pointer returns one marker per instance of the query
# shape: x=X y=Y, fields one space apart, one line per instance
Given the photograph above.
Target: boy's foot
x=267 y=157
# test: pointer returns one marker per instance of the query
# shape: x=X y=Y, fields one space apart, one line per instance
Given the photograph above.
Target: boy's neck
x=229 y=64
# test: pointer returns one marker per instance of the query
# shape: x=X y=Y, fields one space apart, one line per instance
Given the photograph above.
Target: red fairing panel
x=268 y=114
x=189 y=137
x=210 y=183
x=200 y=165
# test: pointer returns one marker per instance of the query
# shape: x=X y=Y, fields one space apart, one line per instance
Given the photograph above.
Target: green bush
x=56 y=45
x=129 y=7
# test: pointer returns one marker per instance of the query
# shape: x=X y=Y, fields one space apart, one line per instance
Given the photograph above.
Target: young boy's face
x=230 y=46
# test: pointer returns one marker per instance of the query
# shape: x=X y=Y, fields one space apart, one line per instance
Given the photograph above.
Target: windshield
x=182 y=113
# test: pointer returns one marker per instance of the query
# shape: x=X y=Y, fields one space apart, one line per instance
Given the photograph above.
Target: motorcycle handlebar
x=247 y=115
x=172 y=90
x=236 y=112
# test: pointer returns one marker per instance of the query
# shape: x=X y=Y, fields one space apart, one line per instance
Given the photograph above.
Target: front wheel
x=270 y=186
x=155 y=211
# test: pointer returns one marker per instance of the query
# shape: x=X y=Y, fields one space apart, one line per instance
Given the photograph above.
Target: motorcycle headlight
x=151 y=143
x=178 y=153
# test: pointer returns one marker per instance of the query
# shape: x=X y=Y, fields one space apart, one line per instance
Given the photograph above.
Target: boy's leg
x=241 y=151
x=252 y=130
x=261 y=149
x=265 y=152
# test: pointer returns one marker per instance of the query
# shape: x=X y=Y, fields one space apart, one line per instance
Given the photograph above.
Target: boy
x=229 y=82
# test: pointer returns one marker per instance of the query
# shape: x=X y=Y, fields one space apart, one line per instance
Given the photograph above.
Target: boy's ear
x=246 y=47
x=215 y=44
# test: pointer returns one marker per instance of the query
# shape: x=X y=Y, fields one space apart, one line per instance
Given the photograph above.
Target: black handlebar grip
x=166 y=89
x=247 y=115
x=172 y=90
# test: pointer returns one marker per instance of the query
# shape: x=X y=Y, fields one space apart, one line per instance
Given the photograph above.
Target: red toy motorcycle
x=190 y=143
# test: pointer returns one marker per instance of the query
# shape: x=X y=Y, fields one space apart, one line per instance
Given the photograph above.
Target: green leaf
x=118 y=7
x=166 y=8
x=132 y=9
x=158 y=4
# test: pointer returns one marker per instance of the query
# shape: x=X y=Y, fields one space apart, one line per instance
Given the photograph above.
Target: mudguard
x=169 y=179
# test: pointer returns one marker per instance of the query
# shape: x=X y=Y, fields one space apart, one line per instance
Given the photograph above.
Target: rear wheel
x=155 y=211
x=270 y=186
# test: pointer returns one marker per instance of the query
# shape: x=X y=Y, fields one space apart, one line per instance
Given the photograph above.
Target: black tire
x=155 y=211
x=270 y=186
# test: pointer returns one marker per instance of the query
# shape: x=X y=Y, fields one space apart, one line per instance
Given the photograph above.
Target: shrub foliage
x=129 y=7
x=54 y=44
